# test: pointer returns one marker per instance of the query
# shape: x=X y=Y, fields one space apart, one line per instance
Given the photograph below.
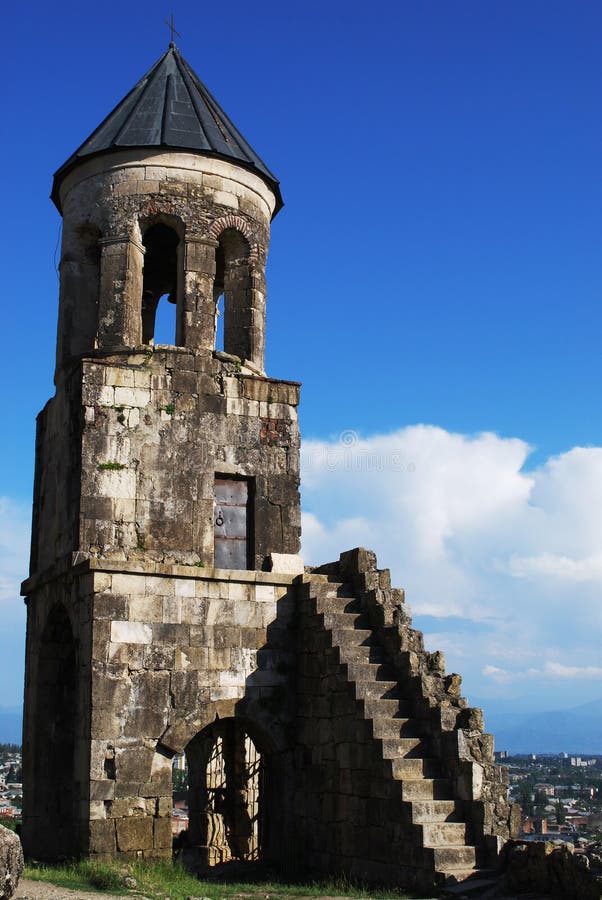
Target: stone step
x=336 y=589
x=462 y=857
x=372 y=653
x=357 y=620
x=343 y=604
x=357 y=637
x=427 y=811
x=380 y=690
x=426 y=789
x=337 y=601
x=475 y=883
x=405 y=769
x=368 y=671
x=406 y=747
x=444 y=834
x=378 y=708
x=387 y=728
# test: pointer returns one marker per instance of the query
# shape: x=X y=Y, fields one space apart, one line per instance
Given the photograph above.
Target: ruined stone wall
x=349 y=816
x=171 y=651
x=554 y=868
x=456 y=731
x=153 y=429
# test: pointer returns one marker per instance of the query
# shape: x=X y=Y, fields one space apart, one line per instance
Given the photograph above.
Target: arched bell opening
x=232 y=295
x=161 y=285
x=228 y=787
x=56 y=717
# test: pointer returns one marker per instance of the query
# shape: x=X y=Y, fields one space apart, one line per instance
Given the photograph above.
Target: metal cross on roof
x=172 y=28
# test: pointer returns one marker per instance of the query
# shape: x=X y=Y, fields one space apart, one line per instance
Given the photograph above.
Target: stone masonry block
x=110 y=606
x=135 y=833
x=106 y=724
x=125 y=396
x=133 y=763
x=131 y=633
x=102 y=581
x=124 y=583
x=102 y=836
x=96 y=809
x=151 y=689
x=162 y=836
x=102 y=790
x=184 y=690
x=146 y=608
x=110 y=692
x=184 y=587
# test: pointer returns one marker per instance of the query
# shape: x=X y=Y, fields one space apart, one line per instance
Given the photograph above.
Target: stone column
x=78 y=313
x=198 y=320
x=120 y=301
x=257 y=319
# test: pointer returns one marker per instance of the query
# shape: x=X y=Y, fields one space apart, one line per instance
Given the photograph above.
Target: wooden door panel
x=231 y=523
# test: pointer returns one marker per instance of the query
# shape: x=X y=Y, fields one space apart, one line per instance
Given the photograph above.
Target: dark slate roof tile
x=170 y=107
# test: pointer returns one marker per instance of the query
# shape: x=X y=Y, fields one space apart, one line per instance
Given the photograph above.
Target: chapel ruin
x=168 y=610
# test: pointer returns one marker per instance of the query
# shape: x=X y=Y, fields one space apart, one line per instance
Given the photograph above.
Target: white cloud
x=511 y=558
x=552 y=565
x=14 y=549
x=14 y=564
x=550 y=670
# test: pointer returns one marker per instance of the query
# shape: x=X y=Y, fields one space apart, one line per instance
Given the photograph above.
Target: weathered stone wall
x=57 y=477
x=56 y=725
x=109 y=202
x=132 y=443
x=555 y=869
x=456 y=731
x=349 y=815
x=364 y=746
x=171 y=651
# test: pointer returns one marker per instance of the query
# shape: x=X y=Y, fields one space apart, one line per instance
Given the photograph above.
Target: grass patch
x=163 y=880
x=79 y=876
x=111 y=466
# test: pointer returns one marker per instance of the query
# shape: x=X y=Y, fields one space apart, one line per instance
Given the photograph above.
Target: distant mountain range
x=577 y=730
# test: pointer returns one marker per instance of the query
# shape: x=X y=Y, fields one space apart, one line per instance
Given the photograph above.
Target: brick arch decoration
x=152 y=215
x=238 y=224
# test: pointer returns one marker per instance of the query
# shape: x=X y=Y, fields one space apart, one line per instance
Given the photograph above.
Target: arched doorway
x=226 y=794
x=55 y=724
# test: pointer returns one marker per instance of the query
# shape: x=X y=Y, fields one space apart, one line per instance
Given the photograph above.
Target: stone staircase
x=432 y=834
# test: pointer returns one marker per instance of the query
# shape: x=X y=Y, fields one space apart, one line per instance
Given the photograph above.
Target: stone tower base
x=353 y=750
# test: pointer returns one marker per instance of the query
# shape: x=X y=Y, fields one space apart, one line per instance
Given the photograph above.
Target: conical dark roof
x=170 y=107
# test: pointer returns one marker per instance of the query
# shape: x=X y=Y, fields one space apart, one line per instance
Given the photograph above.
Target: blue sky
x=437 y=263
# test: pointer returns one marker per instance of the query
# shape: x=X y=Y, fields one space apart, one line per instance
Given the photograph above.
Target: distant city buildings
x=558 y=794
x=11 y=789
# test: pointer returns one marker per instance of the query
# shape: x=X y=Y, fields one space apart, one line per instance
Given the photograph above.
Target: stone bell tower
x=166 y=509
x=168 y=611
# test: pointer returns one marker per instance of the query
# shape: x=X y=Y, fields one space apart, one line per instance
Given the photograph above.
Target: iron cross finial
x=172 y=28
